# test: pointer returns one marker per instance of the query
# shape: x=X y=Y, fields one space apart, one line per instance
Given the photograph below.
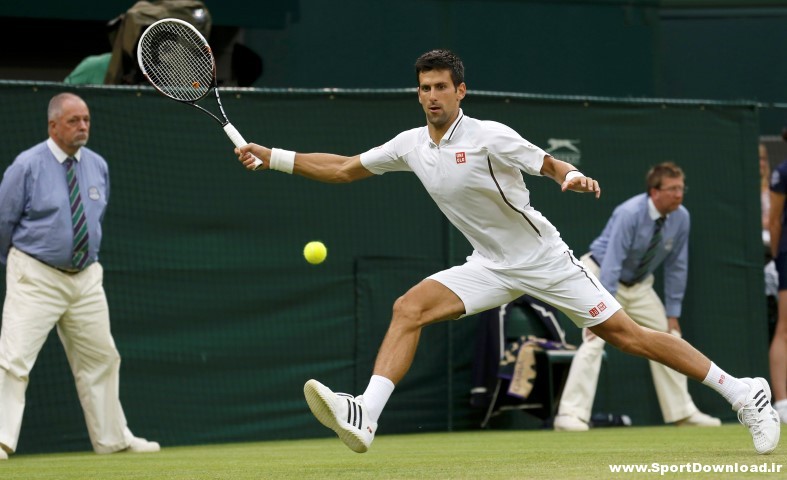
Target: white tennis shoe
x=344 y=414
x=570 y=423
x=699 y=419
x=142 y=445
x=755 y=411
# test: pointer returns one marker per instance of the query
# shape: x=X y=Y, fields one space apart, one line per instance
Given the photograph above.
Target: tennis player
x=473 y=171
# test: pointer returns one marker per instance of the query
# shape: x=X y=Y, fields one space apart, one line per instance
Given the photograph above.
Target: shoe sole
x=151 y=449
x=570 y=429
x=322 y=408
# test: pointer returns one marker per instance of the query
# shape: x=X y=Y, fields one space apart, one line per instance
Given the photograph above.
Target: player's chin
x=438 y=119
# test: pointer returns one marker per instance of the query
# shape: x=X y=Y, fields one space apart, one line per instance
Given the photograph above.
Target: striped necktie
x=78 y=219
x=642 y=269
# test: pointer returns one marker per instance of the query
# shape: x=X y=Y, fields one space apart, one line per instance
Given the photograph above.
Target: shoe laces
x=355 y=411
x=751 y=413
x=749 y=416
x=346 y=397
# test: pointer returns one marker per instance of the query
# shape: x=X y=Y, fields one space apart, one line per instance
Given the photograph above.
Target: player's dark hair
x=441 y=60
x=657 y=174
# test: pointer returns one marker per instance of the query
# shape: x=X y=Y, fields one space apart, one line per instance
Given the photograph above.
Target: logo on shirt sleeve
x=460 y=157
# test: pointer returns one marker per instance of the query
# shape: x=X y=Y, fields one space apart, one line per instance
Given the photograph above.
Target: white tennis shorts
x=562 y=281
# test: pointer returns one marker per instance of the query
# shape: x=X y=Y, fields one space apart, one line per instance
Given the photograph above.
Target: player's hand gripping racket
x=177 y=60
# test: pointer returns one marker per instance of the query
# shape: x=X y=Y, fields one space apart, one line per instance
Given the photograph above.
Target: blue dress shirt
x=626 y=237
x=36 y=214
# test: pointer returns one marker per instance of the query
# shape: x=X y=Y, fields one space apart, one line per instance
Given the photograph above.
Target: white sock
x=376 y=396
x=732 y=389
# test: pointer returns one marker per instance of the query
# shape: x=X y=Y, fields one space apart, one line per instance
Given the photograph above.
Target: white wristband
x=571 y=174
x=282 y=160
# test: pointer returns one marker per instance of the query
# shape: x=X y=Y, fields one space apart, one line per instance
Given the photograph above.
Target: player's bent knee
x=409 y=313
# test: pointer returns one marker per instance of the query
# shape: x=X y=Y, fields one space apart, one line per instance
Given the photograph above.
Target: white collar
x=59 y=154
x=653 y=212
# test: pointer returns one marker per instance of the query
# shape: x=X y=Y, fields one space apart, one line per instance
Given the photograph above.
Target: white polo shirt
x=475 y=177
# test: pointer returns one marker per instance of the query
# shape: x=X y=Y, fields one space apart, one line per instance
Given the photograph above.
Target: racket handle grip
x=238 y=140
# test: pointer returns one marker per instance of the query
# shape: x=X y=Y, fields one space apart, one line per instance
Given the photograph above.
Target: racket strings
x=177 y=61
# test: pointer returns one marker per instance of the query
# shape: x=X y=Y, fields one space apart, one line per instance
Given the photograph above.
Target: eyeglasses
x=675 y=189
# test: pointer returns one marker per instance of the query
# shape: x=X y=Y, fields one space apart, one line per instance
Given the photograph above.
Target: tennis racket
x=177 y=60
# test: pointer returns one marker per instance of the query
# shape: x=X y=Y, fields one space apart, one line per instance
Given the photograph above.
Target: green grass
x=466 y=455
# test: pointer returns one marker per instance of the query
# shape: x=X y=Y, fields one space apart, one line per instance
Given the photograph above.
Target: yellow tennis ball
x=315 y=252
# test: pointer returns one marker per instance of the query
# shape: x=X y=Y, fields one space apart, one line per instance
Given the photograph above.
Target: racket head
x=177 y=60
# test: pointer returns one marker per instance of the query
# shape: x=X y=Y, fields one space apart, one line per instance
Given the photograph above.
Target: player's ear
x=461 y=91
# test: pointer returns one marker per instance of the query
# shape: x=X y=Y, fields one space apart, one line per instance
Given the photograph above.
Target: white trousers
x=38 y=298
x=645 y=307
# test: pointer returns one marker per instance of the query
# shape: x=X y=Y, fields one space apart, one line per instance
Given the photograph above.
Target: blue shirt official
x=36 y=214
x=624 y=240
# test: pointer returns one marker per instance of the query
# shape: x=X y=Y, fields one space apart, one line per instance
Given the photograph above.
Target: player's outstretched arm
x=568 y=177
x=323 y=167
